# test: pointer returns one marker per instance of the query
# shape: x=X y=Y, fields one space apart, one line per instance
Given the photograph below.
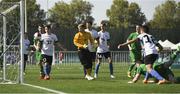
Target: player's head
x=47 y=28
x=89 y=24
x=41 y=28
x=81 y=27
x=144 y=29
x=103 y=26
x=138 y=28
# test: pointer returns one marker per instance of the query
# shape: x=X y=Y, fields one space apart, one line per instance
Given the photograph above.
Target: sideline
x=47 y=89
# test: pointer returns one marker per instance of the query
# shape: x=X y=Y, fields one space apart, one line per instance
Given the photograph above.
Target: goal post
x=12 y=41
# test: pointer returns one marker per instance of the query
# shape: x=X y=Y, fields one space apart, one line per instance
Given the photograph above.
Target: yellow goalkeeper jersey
x=82 y=38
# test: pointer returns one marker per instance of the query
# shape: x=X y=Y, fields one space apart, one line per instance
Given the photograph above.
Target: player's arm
x=77 y=43
x=129 y=46
x=137 y=76
x=128 y=42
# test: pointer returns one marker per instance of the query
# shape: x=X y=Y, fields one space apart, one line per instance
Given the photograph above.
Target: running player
x=26 y=49
x=150 y=52
x=48 y=40
x=134 y=50
x=103 y=50
x=37 y=37
x=94 y=35
x=81 y=41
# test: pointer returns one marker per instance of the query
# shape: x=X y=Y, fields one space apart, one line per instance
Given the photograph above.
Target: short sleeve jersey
x=135 y=46
x=103 y=39
x=48 y=43
x=148 y=43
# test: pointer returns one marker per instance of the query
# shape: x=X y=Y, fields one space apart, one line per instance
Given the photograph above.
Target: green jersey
x=135 y=53
x=136 y=45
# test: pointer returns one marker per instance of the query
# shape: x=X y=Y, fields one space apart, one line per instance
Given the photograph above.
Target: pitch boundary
x=44 y=88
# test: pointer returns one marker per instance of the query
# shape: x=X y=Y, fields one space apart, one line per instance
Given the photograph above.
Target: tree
x=35 y=15
x=71 y=14
x=123 y=14
x=166 y=15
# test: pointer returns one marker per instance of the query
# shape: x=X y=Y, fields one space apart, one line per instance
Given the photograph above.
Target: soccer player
x=26 y=48
x=134 y=50
x=150 y=52
x=161 y=67
x=37 y=37
x=94 y=35
x=103 y=50
x=48 y=40
x=81 y=41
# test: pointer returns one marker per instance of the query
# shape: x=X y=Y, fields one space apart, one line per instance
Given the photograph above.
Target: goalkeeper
x=161 y=67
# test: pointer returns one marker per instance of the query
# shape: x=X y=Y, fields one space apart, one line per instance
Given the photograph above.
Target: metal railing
x=70 y=57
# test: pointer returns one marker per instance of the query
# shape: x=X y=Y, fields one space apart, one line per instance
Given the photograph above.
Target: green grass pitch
x=69 y=78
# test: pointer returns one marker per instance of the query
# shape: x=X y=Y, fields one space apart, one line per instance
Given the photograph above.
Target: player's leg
x=40 y=63
x=131 y=66
x=93 y=56
x=108 y=56
x=25 y=61
x=149 y=60
x=99 y=59
x=49 y=64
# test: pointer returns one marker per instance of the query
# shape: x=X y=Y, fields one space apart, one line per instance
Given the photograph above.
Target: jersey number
x=148 y=39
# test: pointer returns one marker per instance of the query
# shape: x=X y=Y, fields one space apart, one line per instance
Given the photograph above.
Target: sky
x=100 y=7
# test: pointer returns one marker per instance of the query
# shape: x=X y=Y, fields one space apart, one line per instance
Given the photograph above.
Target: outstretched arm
x=136 y=78
x=128 y=42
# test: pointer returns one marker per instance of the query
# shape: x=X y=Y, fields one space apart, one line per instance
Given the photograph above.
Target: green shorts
x=38 y=56
x=135 y=55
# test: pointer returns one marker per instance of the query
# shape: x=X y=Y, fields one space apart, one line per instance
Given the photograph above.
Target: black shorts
x=150 y=59
x=46 y=59
x=101 y=55
x=93 y=56
x=25 y=57
x=85 y=58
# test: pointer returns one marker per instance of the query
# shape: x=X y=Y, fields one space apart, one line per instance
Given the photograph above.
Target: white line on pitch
x=47 y=89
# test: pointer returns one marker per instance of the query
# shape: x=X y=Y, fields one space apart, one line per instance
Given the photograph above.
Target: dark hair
x=48 y=26
x=90 y=22
x=146 y=28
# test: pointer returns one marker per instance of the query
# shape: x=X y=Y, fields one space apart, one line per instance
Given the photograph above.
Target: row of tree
x=122 y=15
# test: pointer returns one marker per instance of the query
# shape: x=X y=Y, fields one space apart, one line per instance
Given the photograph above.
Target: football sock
x=111 y=68
x=97 y=68
x=156 y=75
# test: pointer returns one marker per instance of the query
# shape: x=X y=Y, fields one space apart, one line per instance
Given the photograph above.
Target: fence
x=71 y=57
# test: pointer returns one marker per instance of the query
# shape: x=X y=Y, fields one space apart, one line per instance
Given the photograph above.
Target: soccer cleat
x=162 y=81
x=41 y=76
x=95 y=75
x=145 y=81
x=112 y=76
x=89 y=77
x=130 y=82
x=47 y=78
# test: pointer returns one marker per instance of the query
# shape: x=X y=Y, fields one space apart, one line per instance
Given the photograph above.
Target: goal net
x=10 y=36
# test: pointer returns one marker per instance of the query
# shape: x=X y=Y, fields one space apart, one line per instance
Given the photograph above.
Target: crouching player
x=161 y=67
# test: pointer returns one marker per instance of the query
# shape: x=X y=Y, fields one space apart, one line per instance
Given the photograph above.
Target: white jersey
x=26 y=46
x=103 y=38
x=48 y=43
x=37 y=35
x=94 y=35
x=148 y=43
